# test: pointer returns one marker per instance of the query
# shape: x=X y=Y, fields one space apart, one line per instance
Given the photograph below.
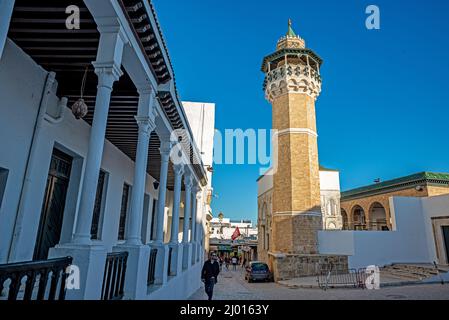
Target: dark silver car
x=258 y=271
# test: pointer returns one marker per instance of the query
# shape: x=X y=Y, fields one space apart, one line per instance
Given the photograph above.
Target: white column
x=160 y=275
x=186 y=246
x=201 y=243
x=108 y=71
x=194 y=207
x=138 y=254
x=188 y=181
x=179 y=171
x=194 y=223
x=198 y=240
x=165 y=157
x=90 y=259
x=176 y=255
x=146 y=125
x=6 y=9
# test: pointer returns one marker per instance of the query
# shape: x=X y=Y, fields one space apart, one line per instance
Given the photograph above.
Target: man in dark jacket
x=209 y=274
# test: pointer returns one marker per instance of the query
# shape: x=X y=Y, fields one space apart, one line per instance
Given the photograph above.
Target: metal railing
x=114 y=276
x=437 y=269
x=379 y=225
x=355 y=278
x=152 y=267
x=359 y=226
x=336 y=277
x=37 y=273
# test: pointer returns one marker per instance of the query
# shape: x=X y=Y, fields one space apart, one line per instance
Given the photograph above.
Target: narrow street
x=232 y=286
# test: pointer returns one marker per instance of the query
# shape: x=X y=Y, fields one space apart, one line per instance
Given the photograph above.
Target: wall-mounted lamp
x=79 y=108
x=156 y=185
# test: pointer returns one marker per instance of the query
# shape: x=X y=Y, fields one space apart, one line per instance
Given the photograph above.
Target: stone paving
x=232 y=286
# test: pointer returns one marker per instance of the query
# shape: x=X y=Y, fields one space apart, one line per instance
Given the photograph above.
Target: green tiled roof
x=290 y=31
x=422 y=177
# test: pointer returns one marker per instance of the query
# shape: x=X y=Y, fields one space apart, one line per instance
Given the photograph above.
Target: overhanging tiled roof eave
x=282 y=52
x=349 y=195
x=142 y=19
x=142 y=16
x=389 y=186
x=175 y=113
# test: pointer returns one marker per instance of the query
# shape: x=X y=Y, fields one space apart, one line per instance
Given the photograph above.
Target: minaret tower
x=292 y=85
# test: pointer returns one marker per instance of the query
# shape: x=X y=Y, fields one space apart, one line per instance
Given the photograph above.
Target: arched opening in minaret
x=358 y=218
x=378 y=217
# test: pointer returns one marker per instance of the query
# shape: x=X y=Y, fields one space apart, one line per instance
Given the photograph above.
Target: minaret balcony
x=292 y=78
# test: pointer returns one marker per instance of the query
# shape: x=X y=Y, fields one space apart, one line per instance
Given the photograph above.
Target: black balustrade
x=114 y=276
x=37 y=274
x=152 y=267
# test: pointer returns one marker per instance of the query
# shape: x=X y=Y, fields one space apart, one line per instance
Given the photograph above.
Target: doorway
x=52 y=213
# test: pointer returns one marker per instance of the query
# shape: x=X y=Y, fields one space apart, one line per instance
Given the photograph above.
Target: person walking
x=220 y=260
x=209 y=274
x=234 y=263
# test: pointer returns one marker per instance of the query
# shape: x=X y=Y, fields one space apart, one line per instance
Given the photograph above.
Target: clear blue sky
x=383 y=112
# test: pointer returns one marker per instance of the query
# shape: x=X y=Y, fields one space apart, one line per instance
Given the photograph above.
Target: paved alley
x=232 y=286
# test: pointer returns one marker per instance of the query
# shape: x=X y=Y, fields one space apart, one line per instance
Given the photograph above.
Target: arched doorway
x=344 y=219
x=358 y=218
x=378 y=217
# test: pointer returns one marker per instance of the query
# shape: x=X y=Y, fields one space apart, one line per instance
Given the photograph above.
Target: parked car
x=257 y=270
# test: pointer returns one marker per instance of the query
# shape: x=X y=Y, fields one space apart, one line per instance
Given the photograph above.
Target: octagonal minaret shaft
x=292 y=85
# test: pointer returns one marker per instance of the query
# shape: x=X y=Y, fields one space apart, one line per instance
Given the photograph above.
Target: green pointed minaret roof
x=290 y=31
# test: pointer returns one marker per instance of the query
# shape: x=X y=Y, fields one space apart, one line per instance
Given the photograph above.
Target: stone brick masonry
x=292 y=266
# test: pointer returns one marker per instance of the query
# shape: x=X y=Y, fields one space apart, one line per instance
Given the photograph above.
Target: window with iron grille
x=95 y=227
x=153 y=220
x=123 y=212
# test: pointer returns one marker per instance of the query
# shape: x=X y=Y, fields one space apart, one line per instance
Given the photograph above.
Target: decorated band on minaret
x=292 y=68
